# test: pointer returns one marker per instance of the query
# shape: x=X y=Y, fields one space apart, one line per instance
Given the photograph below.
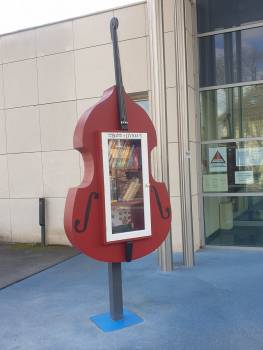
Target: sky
x=21 y=14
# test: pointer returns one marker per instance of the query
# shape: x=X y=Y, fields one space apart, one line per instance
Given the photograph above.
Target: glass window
x=234 y=221
x=142 y=99
x=212 y=56
x=231 y=57
x=144 y=104
x=252 y=54
x=233 y=167
x=232 y=113
x=219 y=14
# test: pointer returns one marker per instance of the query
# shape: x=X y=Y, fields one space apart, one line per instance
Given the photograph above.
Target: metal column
x=158 y=112
x=183 y=132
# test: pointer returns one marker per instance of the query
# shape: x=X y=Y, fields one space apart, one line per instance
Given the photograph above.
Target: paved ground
x=216 y=305
x=18 y=261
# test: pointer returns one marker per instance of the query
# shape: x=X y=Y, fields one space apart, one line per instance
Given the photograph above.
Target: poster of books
x=125 y=167
x=126 y=183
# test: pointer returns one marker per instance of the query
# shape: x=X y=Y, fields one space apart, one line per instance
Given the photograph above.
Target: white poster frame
x=121 y=236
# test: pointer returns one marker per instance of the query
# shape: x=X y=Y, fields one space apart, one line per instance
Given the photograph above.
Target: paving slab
x=18 y=261
x=216 y=305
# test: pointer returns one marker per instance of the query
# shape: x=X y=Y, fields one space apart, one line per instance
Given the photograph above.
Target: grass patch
x=35 y=246
x=18 y=246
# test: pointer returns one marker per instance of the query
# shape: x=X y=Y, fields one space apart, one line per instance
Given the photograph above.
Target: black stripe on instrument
x=167 y=210
x=77 y=222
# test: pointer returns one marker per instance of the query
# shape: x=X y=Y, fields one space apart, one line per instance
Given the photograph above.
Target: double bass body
x=85 y=209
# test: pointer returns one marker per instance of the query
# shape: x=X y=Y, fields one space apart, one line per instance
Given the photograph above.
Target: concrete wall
x=48 y=77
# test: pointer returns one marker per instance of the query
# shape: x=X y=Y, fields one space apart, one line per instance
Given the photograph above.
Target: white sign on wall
x=249 y=156
x=217 y=159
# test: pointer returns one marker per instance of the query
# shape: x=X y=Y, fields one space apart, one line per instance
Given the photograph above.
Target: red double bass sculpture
x=85 y=208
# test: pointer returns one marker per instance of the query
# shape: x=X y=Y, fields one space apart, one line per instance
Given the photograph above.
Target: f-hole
x=165 y=214
x=77 y=222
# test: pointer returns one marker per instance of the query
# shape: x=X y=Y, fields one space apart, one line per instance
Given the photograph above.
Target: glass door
x=232 y=165
x=231 y=109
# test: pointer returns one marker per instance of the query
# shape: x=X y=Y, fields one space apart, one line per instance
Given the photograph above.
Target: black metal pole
x=114 y=269
x=115 y=291
x=42 y=220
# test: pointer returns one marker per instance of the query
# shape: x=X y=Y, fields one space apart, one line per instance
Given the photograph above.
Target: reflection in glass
x=252 y=54
x=125 y=164
x=234 y=221
x=144 y=104
x=232 y=113
x=231 y=57
x=220 y=14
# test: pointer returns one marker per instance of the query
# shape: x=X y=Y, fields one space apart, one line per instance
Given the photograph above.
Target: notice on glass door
x=217 y=159
x=215 y=183
x=251 y=156
x=244 y=177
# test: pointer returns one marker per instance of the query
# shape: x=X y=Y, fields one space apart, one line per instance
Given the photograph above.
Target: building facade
x=207 y=113
x=49 y=76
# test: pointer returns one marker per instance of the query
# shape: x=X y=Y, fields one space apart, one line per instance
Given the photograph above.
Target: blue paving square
x=107 y=324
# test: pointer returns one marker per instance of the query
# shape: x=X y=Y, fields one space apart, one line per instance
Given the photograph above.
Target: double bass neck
x=123 y=120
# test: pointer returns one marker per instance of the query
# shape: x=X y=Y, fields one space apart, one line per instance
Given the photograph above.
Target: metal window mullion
x=243 y=139
x=227 y=86
x=230 y=194
x=229 y=30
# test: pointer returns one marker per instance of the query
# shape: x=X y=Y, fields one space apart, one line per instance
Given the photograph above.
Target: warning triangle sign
x=218 y=158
